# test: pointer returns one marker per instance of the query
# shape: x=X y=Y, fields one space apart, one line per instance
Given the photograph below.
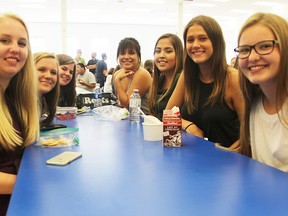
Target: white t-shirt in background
x=87 y=77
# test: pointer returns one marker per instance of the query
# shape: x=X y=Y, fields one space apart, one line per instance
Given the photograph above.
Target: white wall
x=100 y=38
x=46 y=35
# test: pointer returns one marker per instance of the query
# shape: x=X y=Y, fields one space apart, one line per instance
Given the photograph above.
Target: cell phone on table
x=52 y=127
x=64 y=158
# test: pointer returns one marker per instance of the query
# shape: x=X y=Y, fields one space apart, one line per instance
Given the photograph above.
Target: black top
x=92 y=62
x=8 y=158
x=101 y=66
x=219 y=123
x=161 y=105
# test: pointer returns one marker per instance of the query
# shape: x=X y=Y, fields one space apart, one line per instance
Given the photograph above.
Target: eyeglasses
x=261 y=48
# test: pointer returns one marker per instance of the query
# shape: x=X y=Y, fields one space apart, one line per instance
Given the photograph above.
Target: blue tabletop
x=121 y=174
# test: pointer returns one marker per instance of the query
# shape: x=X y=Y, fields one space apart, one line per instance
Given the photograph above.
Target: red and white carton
x=172 y=128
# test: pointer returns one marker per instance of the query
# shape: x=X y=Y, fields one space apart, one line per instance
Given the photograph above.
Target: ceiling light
x=240 y=11
x=202 y=5
x=138 y=9
x=268 y=4
x=34 y=6
x=31 y=1
x=86 y=10
x=220 y=0
x=151 y=1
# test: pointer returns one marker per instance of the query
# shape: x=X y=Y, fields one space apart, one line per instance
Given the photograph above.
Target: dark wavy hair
x=129 y=43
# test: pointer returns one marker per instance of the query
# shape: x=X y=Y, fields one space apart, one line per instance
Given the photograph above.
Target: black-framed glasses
x=261 y=48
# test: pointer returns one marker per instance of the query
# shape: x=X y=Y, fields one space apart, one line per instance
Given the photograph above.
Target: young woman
x=208 y=90
x=48 y=85
x=168 y=60
x=262 y=53
x=131 y=75
x=19 y=113
x=67 y=80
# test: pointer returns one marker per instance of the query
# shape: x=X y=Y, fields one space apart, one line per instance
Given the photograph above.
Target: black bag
x=85 y=100
x=88 y=100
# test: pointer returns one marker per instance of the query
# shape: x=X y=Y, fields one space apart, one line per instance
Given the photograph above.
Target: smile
x=11 y=59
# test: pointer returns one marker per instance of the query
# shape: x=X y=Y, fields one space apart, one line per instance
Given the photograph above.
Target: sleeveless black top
x=218 y=122
x=161 y=105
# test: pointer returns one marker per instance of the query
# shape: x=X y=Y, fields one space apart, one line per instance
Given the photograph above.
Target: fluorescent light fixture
x=202 y=5
x=268 y=4
x=31 y=1
x=240 y=11
x=220 y=0
x=32 y=6
x=151 y=1
x=138 y=9
x=86 y=10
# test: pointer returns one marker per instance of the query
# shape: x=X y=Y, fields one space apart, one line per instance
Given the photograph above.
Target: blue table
x=121 y=174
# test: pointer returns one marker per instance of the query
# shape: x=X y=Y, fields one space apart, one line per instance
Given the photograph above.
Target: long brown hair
x=279 y=27
x=217 y=61
x=158 y=76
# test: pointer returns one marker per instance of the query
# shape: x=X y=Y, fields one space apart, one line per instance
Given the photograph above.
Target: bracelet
x=188 y=126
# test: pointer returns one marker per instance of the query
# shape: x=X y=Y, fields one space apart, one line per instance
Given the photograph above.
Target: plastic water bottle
x=98 y=96
x=134 y=103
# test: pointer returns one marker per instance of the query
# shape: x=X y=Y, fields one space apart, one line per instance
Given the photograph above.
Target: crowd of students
x=243 y=109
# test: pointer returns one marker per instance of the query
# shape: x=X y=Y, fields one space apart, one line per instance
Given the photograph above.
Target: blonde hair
x=279 y=27
x=51 y=97
x=22 y=92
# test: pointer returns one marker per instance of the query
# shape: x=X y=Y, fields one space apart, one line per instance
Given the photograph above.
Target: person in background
x=168 y=59
x=262 y=53
x=78 y=58
x=149 y=66
x=85 y=79
x=91 y=65
x=67 y=80
x=131 y=75
x=48 y=85
x=19 y=113
x=208 y=90
x=118 y=67
x=108 y=83
x=101 y=70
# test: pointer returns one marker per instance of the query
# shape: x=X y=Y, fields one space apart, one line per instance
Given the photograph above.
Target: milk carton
x=172 y=128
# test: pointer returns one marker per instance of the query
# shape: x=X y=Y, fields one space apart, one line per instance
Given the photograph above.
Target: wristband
x=188 y=126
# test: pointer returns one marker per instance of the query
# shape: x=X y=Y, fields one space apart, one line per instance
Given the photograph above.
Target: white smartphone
x=64 y=158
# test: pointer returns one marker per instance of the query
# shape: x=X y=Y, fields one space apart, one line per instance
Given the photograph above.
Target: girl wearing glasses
x=208 y=90
x=262 y=53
